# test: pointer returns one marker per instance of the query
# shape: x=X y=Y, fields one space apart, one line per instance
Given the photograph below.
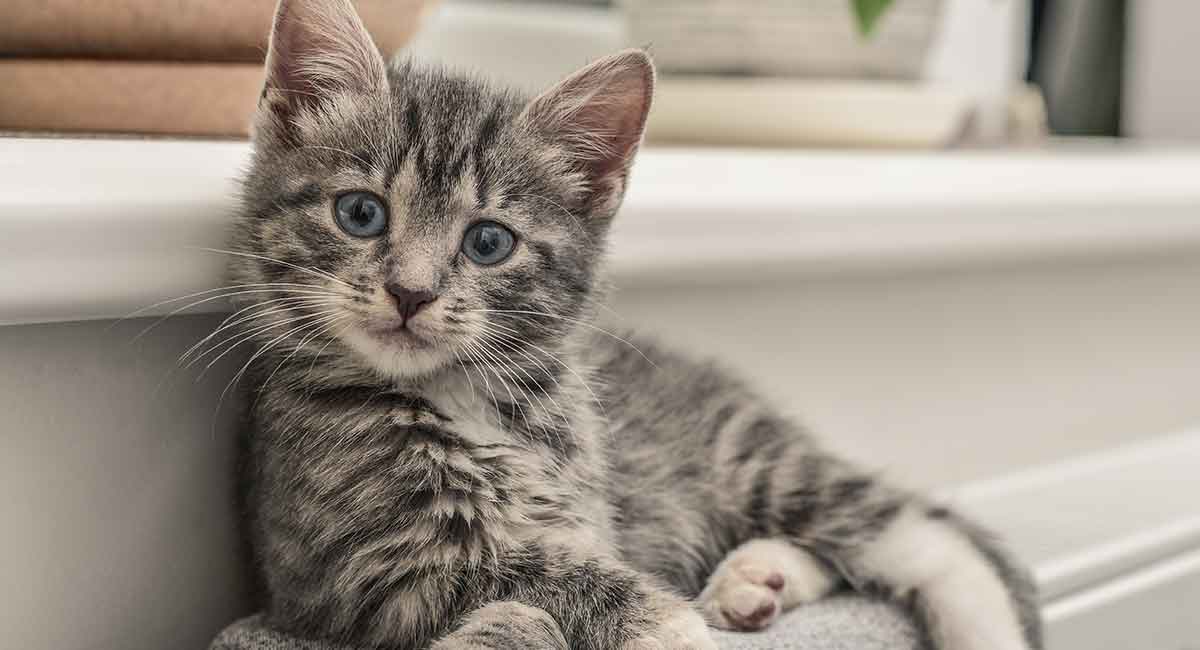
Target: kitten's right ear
x=319 y=51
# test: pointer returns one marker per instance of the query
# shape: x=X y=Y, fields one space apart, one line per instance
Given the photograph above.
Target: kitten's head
x=409 y=216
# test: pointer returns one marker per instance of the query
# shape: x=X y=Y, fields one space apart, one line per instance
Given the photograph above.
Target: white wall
x=1162 y=84
x=951 y=375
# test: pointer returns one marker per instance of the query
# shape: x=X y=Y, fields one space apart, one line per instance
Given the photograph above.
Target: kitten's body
x=494 y=471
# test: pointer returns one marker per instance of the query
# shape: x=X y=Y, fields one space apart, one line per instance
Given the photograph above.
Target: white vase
x=805 y=38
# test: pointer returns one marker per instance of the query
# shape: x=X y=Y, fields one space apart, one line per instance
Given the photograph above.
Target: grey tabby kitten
x=444 y=452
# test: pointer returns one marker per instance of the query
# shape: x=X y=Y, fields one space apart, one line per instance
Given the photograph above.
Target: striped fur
x=506 y=474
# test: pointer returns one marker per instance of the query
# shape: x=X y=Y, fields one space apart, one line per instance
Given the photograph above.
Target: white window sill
x=1114 y=539
x=94 y=228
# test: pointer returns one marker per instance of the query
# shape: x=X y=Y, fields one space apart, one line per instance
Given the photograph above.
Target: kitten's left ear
x=319 y=50
x=598 y=114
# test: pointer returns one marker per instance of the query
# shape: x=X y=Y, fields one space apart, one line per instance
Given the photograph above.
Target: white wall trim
x=99 y=228
x=1085 y=521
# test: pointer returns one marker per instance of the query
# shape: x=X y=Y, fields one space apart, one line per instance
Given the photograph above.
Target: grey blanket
x=839 y=623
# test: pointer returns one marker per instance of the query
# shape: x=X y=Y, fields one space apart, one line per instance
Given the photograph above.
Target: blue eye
x=361 y=214
x=488 y=243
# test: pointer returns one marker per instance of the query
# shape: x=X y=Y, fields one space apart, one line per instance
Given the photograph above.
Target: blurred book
x=161 y=98
x=192 y=30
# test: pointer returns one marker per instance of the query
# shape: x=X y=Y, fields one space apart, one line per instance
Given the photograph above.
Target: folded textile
x=210 y=99
x=199 y=30
x=839 y=623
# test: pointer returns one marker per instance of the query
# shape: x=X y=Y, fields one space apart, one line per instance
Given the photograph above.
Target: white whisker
x=569 y=320
x=284 y=305
x=250 y=335
x=224 y=296
x=317 y=272
x=160 y=303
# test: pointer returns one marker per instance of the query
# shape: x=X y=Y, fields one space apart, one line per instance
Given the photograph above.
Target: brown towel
x=193 y=30
x=214 y=99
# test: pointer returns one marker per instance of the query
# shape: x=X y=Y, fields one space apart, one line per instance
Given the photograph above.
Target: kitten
x=442 y=449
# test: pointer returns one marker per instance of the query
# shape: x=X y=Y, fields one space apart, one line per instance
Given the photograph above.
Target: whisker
x=317 y=272
x=320 y=329
x=237 y=377
x=499 y=363
x=488 y=328
x=285 y=305
x=469 y=350
x=248 y=336
x=160 y=303
x=515 y=348
x=569 y=369
x=521 y=385
x=192 y=356
x=312 y=366
x=224 y=296
x=324 y=318
x=466 y=373
x=569 y=320
x=480 y=352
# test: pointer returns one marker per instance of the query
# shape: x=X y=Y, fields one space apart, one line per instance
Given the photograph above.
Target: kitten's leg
x=760 y=579
x=601 y=603
x=505 y=624
x=964 y=590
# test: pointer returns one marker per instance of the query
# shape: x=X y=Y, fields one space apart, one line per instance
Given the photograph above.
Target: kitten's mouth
x=399 y=333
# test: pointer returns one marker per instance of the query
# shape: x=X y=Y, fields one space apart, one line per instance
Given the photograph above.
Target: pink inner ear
x=319 y=47
x=600 y=111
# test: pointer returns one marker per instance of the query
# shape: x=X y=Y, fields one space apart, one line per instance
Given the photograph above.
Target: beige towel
x=213 y=99
x=194 y=30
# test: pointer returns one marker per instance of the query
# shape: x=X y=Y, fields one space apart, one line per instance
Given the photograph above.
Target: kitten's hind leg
x=505 y=624
x=759 y=580
x=963 y=589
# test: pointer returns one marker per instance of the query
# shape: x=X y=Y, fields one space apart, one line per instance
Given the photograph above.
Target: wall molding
x=98 y=228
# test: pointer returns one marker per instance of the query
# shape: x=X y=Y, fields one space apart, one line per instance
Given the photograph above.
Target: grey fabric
x=839 y=623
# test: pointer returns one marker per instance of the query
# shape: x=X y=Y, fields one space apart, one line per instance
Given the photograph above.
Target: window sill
x=96 y=228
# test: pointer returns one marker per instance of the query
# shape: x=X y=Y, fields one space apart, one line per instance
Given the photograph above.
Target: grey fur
x=518 y=475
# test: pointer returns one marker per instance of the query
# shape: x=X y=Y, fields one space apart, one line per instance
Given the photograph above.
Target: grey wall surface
x=117 y=525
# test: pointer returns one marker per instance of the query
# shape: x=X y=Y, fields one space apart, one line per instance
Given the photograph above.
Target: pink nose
x=409 y=302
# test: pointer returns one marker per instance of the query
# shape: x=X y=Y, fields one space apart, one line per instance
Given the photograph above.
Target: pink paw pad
x=774 y=582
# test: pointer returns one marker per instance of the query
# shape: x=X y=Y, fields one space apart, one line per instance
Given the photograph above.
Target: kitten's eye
x=488 y=243
x=361 y=214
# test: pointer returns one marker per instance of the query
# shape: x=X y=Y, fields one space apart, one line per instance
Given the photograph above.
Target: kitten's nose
x=409 y=302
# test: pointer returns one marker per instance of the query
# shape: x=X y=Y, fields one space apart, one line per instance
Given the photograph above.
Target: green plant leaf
x=868 y=12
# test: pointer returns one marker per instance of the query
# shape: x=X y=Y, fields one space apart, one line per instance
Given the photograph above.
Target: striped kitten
x=444 y=451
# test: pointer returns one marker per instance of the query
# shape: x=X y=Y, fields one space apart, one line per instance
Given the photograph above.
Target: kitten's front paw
x=684 y=630
x=504 y=625
x=760 y=579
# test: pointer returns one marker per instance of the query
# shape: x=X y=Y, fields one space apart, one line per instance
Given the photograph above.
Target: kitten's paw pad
x=685 y=630
x=750 y=607
x=741 y=605
x=759 y=580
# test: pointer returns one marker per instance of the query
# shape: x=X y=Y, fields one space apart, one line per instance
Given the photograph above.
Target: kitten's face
x=420 y=219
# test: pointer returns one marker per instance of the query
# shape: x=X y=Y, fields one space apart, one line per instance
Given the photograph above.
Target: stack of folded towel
x=188 y=67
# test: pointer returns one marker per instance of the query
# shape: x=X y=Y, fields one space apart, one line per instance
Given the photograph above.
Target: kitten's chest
x=437 y=480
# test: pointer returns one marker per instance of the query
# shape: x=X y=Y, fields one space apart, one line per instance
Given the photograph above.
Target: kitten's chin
x=401 y=355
